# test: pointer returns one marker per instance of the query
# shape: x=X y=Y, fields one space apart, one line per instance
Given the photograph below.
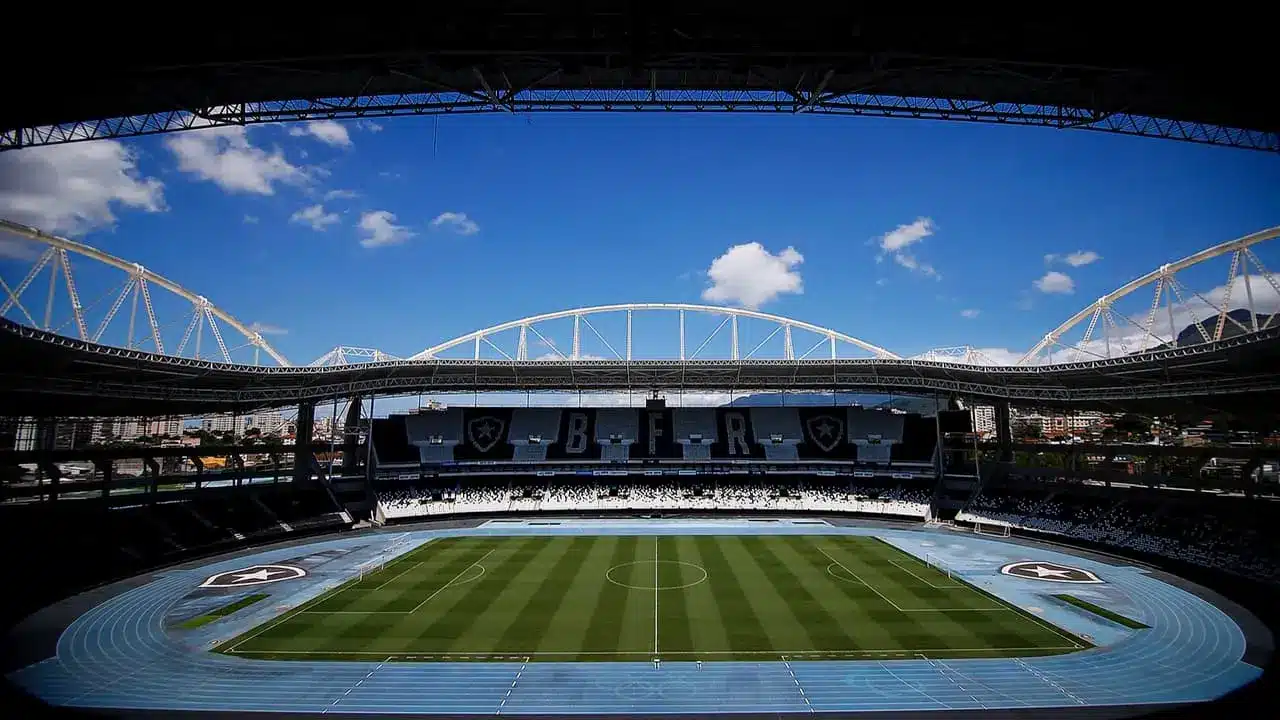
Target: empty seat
x=534 y=426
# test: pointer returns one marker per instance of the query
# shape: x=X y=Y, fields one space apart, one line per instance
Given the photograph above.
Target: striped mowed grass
x=674 y=597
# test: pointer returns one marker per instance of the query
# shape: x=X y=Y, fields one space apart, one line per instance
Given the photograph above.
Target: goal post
x=371 y=567
x=931 y=561
x=996 y=529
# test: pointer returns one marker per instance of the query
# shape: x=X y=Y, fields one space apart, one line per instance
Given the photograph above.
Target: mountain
x=923 y=406
x=1190 y=335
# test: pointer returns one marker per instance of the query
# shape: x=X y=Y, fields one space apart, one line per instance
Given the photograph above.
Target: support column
x=305 y=431
x=1004 y=430
x=351 y=437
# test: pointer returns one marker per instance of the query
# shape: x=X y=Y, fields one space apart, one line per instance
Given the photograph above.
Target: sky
x=402 y=233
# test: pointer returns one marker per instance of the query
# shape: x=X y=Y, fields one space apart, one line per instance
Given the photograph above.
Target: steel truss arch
x=1169 y=289
x=615 y=100
x=140 y=278
x=731 y=316
x=349 y=355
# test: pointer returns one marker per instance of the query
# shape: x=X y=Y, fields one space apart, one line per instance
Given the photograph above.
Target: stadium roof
x=44 y=374
x=1114 y=71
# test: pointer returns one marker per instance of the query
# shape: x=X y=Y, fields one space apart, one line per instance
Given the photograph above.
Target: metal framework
x=136 y=290
x=1178 y=377
x=582 y=324
x=746 y=100
x=962 y=354
x=1176 y=315
x=347 y=355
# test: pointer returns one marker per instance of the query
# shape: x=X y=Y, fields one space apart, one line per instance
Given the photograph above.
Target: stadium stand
x=777 y=430
x=99 y=543
x=773 y=434
x=616 y=431
x=533 y=430
x=875 y=434
x=695 y=431
x=435 y=434
x=487 y=496
x=1227 y=533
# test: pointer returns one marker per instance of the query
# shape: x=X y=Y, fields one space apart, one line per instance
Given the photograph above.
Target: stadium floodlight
x=535 y=439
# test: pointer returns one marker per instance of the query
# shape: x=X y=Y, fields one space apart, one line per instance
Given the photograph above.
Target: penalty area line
x=455 y=579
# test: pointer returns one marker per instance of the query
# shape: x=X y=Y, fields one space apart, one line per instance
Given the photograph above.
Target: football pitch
x=674 y=597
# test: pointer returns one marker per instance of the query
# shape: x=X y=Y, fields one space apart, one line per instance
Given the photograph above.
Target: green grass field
x=728 y=597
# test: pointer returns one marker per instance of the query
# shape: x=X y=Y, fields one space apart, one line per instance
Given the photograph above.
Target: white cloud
x=458 y=222
x=329 y=132
x=909 y=262
x=751 y=276
x=904 y=236
x=250 y=219
x=896 y=242
x=340 y=195
x=369 y=126
x=1078 y=258
x=225 y=157
x=1056 y=282
x=74 y=188
x=379 y=228
x=315 y=217
x=970 y=313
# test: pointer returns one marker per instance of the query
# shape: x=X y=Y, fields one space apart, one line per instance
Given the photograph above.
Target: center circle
x=681 y=575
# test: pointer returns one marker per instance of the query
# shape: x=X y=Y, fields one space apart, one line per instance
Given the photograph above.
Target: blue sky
x=907 y=234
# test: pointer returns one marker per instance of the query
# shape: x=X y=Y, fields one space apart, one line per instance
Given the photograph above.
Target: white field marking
x=950 y=586
x=655 y=594
x=412 y=565
x=791 y=654
x=855 y=577
x=296 y=611
x=608 y=574
x=451 y=582
x=392 y=612
x=992 y=608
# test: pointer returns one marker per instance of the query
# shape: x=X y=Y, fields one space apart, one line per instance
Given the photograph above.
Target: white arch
x=1164 y=271
x=62 y=243
x=784 y=322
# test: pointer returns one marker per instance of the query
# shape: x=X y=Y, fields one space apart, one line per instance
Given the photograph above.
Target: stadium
x=639 y=507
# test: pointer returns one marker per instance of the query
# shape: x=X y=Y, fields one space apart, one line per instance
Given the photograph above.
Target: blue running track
x=120 y=654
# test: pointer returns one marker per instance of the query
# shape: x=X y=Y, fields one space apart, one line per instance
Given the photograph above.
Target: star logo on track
x=1049 y=572
x=484 y=432
x=254 y=575
x=825 y=431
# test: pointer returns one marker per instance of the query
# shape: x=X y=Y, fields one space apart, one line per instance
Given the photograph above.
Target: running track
x=119 y=655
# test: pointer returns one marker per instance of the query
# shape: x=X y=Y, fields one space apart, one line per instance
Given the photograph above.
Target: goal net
x=991 y=528
x=931 y=562
x=389 y=555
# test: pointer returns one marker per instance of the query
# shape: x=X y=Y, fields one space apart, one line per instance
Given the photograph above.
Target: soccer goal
x=991 y=528
x=931 y=561
x=372 y=567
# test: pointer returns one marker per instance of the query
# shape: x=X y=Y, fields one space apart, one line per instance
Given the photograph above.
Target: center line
x=655 y=595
